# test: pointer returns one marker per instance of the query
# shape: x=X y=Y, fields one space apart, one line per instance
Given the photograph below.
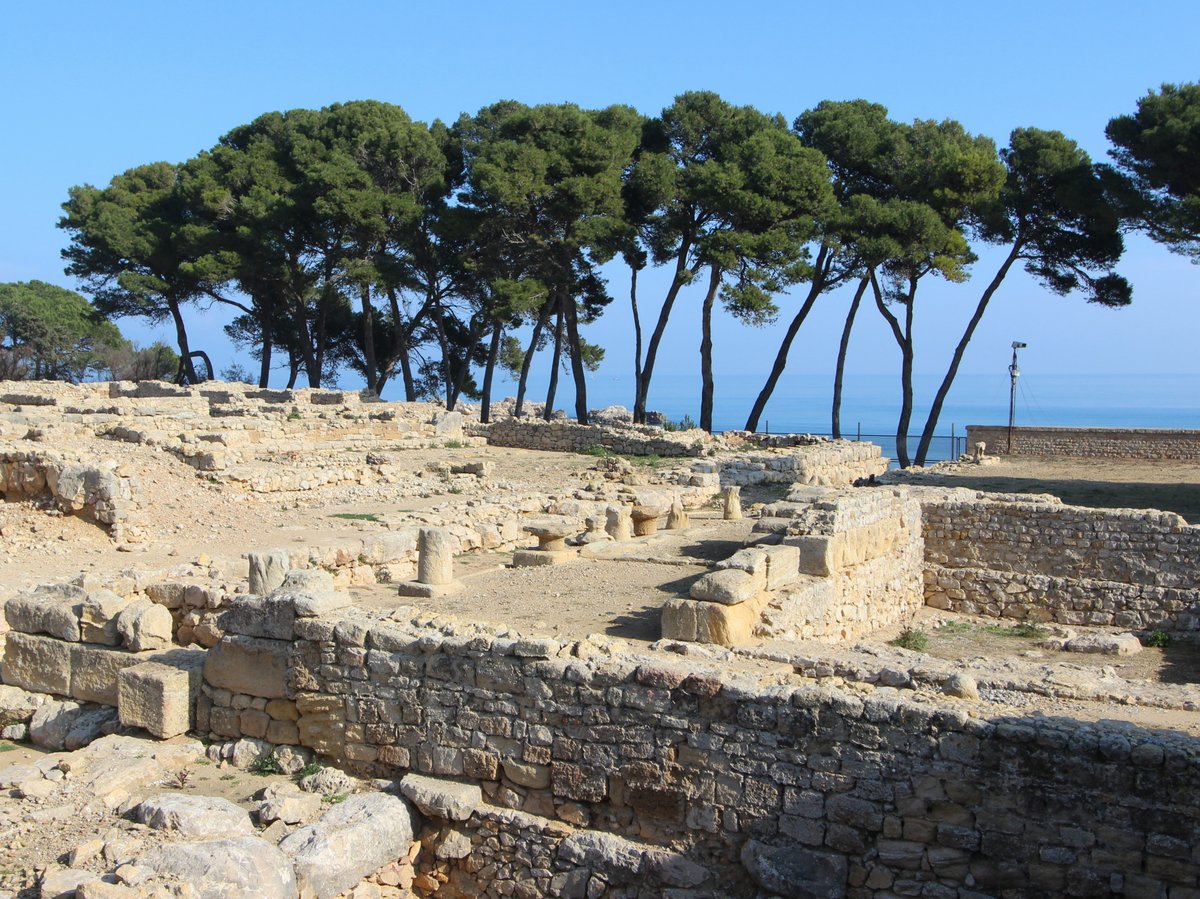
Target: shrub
x=917 y=641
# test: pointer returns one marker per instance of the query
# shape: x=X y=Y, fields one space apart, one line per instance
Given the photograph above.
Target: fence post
x=858 y=434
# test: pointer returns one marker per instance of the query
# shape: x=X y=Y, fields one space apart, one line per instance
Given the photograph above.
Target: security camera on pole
x=1013 y=373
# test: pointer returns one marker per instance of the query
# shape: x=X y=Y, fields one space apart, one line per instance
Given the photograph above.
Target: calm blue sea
x=871 y=403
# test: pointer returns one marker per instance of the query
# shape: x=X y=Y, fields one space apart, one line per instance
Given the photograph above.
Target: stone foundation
x=1089 y=443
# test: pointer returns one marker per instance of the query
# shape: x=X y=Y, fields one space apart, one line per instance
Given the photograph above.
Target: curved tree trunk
x=706 y=373
x=637 y=332
x=485 y=409
x=904 y=341
x=843 y=347
x=578 y=372
x=185 y=352
x=643 y=387
x=522 y=382
x=939 y=399
x=266 y=324
x=548 y=411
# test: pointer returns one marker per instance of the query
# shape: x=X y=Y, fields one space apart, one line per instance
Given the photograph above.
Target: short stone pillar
x=435 y=566
x=267 y=571
x=677 y=518
x=595 y=532
x=732 y=508
x=645 y=520
x=435 y=557
x=618 y=524
x=551 y=532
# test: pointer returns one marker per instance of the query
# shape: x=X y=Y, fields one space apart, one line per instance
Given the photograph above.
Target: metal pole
x=1013 y=373
x=953 y=443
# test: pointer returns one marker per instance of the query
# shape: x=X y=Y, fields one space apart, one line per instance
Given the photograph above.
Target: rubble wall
x=1070 y=564
x=571 y=437
x=869 y=794
x=1089 y=443
x=91 y=490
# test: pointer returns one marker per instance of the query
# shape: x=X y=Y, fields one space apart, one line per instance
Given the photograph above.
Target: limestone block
x=794 y=870
x=618 y=523
x=144 y=625
x=752 y=559
x=273 y=617
x=45 y=613
x=815 y=554
x=531 y=557
x=239 y=866
x=1105 y=644
x=677 y=518
x=711 y=622
x=267 y=570
x=441 y=798
x=731 y=503
x=94 y=671
x=38 y=664
x=435 y=560
x=250 y=665
x=645 y=520
x=194 y=816
x=783 y=565
x=98 y=617
x=351 y=841
x=160 y=697
x=730 y=585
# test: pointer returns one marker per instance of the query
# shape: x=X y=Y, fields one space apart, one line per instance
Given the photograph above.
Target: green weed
x=917 y=641
x=356 y=516
x=1157 y=638
x=266 y=765
x=953 y=627
x=1024 y=630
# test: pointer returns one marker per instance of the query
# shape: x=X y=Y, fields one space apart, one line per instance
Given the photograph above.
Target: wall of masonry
x=878 y=795
x=571 y=437
x=1074 y=565
x=1097 y=443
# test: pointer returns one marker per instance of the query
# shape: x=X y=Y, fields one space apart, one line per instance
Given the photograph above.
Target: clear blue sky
x=91 y=89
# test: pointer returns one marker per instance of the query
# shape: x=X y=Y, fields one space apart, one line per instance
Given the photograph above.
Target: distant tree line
x=354 y=237
x=51 y=333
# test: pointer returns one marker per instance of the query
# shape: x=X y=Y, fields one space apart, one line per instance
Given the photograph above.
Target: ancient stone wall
x=870 y=794
x=571 y=437
x=1098 y=443
x=96 y=491
x=1043 y=560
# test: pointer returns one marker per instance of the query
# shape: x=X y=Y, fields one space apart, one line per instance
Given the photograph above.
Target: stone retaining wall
x=571 y=437
x=862 y=795
x=94 y=491
x=1043 y=560
x=1090 y=443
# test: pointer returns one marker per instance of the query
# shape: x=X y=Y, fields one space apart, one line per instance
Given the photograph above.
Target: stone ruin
x=732 y=757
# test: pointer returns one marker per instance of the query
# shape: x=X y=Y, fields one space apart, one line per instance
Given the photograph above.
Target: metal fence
x=942 y=447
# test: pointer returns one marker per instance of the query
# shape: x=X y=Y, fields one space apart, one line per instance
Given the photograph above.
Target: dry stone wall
x=571 y=437
x=1043 y=560
x=1089 y=443
x=98 y=492
x=861 y=795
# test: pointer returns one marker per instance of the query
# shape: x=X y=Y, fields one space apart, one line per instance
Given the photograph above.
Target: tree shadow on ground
x=1181 y=498
x=639 y=624
x=710 y=550
x=1180 y=662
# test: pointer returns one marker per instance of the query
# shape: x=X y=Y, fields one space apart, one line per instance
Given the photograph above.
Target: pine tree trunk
x=843 y=347
x=522 y=382
x=185 y=352
x=637 y=332
x=485 y=409
x=643 y=387
x=578 y=372
x=706 y=372
x=943 y=391
x=548 y=412
x=368 y=326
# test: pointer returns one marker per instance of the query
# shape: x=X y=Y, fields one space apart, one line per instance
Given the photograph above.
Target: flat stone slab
x=550 y=527
x=729 y=586
x=524 y=558
x=428 y=591
x=194 y=816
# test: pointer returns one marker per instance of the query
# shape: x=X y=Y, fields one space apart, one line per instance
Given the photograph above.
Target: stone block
x=38 y=664
x=94 y=671
x=441 y=798
x=250 y=665
x=159 y=697
x=98 y=617
x=710 y=622
x=267 y=570
x=532 y=557
x=273 y=617
x=730 y=586
x=144 y=625
x=45 y=613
